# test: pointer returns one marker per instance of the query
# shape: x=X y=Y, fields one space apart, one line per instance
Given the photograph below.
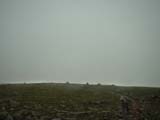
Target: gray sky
x=105 y=41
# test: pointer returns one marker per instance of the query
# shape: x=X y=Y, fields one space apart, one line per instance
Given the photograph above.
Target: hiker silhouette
x=124 y=107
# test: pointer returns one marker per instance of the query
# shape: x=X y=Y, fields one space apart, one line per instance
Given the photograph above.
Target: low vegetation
x=51 y=101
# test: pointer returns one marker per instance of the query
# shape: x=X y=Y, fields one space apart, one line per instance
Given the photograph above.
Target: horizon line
x=118 y=85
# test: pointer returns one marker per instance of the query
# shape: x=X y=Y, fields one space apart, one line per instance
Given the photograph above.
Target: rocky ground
x=13 y=110
x=41 y=102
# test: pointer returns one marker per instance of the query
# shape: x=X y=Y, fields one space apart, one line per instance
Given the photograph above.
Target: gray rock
x=56 y=119
x=18 y=115
x=12 y=103
x=29 y=117
x=9 y=117
x=3 y=115
x=44 y=118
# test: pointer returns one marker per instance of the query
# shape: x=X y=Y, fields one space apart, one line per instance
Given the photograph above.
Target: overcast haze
x=95 y=41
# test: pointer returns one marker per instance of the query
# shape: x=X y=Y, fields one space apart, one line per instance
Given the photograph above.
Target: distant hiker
x=124 y=103
x=124 y=106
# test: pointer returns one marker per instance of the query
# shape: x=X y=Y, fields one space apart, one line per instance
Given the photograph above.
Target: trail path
x=134 y=112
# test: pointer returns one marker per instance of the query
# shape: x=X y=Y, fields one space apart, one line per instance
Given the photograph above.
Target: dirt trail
x=134 y=112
